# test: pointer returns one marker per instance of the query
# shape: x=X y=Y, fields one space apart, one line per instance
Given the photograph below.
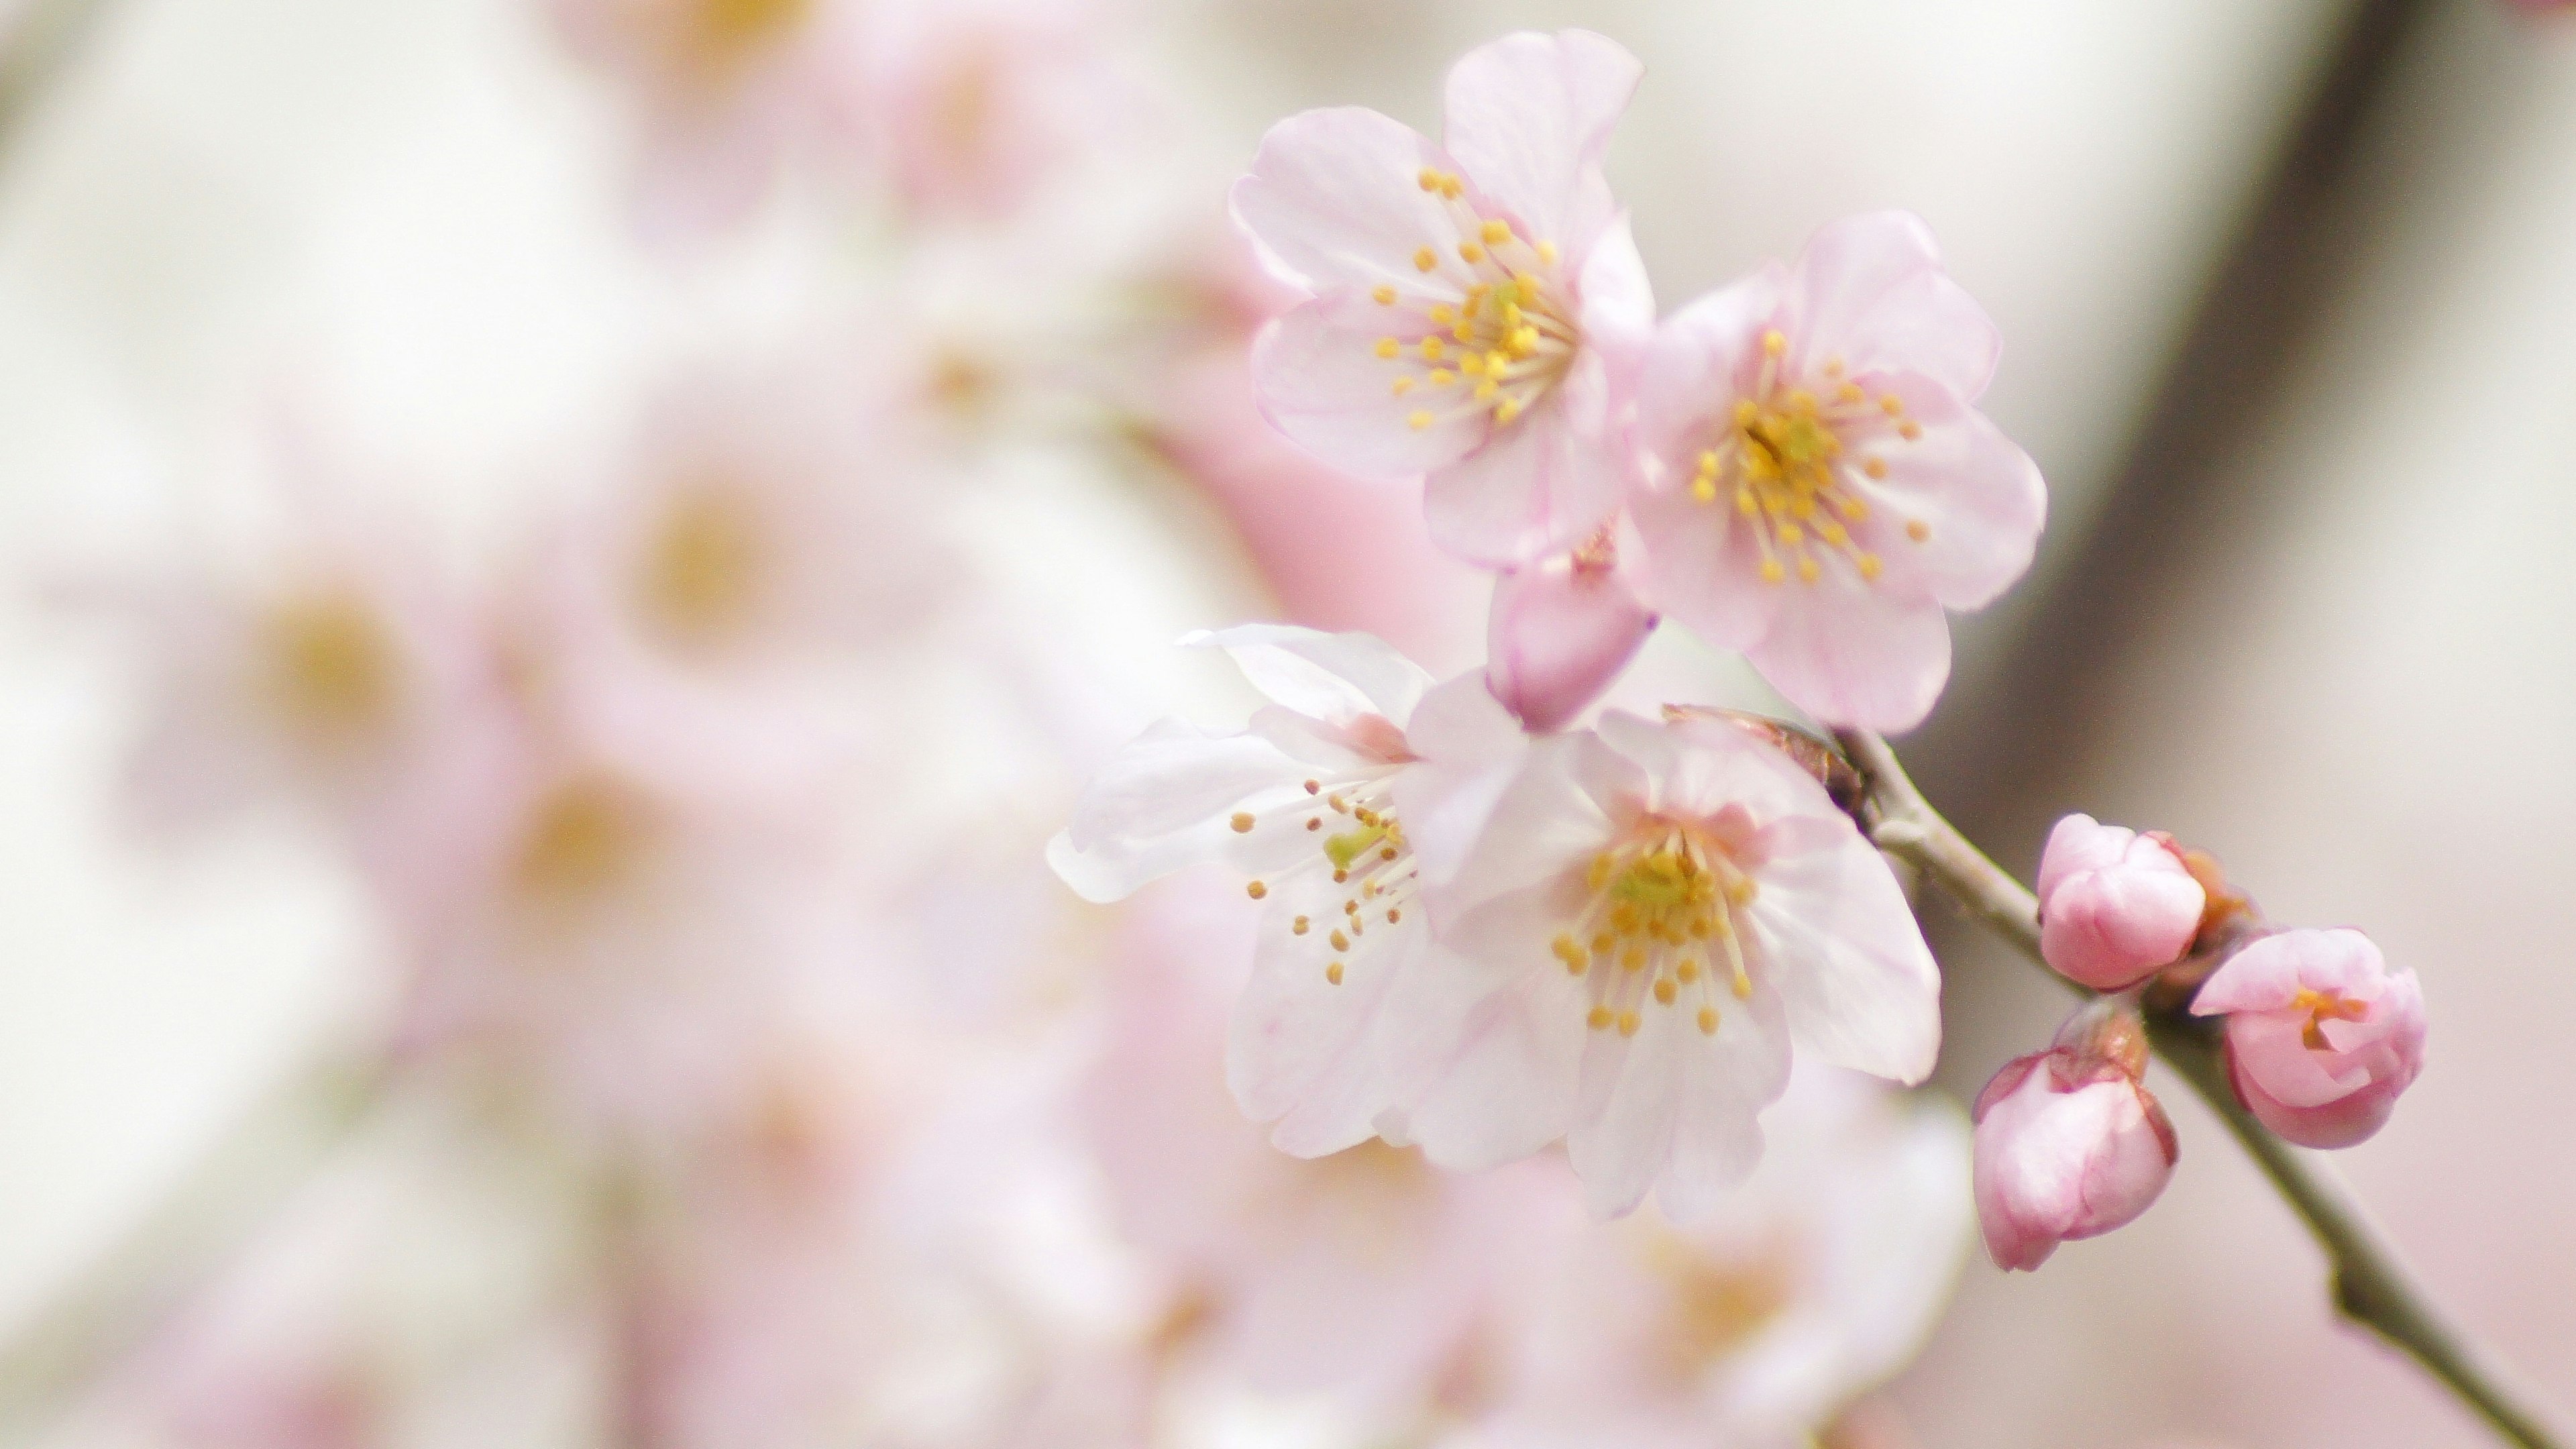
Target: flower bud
x=2115 y=906
x=2069 y=1143
x=2321 y=1035
x=1560 y=632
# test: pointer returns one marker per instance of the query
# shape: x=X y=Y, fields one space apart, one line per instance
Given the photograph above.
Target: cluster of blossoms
x=739 y=1036
x=1492 y=930
x=2321 y=1036
x=1490 y=927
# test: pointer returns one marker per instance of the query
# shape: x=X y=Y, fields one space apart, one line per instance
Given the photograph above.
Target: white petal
x=1166 y=801
x=1332 y=677
x=1844 y=951
x=1301 y=1050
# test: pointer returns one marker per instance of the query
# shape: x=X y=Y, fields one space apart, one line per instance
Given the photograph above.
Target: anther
x=1874 y=467
x=1333 y=973
x=1917 y=530
x=1315 y=824
x=1385 y=295
x=1600 y=1018
x=1256 y=890
x=1314 y=787
x=1547 y=253
x=1300 y=927
x=1388 y=347
x=1470 y=253
x=1664 y=992
x=1773 y=344
x=1418 y=421
x=1496 y=233
x=1425 y=259
x=1708 y=1020
x=1628 y=1023
x=1340 y=941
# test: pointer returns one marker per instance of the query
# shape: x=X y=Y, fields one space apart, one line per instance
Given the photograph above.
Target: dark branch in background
x=2370 y=1286
x=2181 y=485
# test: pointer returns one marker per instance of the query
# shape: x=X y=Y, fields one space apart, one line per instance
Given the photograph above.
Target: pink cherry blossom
x=1562 y=630
x=2115 y=906
x=1818 y=487
x=2322 y=1036
x=976 y=105
x=1477 y=305
x=1318 y=802
x=1647 y=918
x=1811 y=1284
x=2070 y=1144
x=1367 y=1272
x=727 y=92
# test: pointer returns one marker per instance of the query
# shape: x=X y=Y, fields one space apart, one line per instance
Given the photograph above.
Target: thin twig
x=270 y=1149
x=2371 y=1287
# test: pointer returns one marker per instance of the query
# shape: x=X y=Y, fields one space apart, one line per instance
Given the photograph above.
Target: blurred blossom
x=1365 y=1271
x=1476 y=306
x=1812 y=1284
x=2070 y=1143
x=2115 y=906
x=1562 y=630
x=727 y=92
x=1313 y=801
x=2322 y=1036
x=333 y=665
x=1645 y=921
x=1817 y=421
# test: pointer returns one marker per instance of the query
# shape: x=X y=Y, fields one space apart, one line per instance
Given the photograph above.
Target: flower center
x=584 y=837
x=1488 y=328
x=1659 y=925
x=332 y=664
x=1358 y=839
x=701 y=572
x=1781 y=460
x=2322 y=1006
x=722 y=33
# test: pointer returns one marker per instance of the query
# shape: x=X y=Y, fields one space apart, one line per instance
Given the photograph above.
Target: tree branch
x=2371 y=1287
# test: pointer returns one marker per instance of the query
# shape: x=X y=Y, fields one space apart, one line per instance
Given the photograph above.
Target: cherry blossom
x=1807 y=1287
x=1817 y=486
x=727 y=92
x=2070 y=1143
x=1476 y=304
x=2114 y=906
x=1561 y=631
x=2322 y=1036
x=1317 y=802
x=1641 y=925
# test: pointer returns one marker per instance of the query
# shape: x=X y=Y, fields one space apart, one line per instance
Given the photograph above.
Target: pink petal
x=2078 y=842
x=1851 y=653
x=2270 y=973
x=1536 y=487
x=1333 y=200
x=1337 y=678
x=1322 y=384
x=1164 y=802
x=1843 y=949
x=1529 y=117
x=1558 y=637
x=1503 y=1082
x=1871 y=290
x=1470 y=748
x=1976 y=492
x=1301 y=1052
x=1618 y=302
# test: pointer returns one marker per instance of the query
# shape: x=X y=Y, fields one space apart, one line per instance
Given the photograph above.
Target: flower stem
x=2371 y=1287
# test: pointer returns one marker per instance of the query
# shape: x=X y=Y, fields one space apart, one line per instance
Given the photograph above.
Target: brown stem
x=2371 y=1287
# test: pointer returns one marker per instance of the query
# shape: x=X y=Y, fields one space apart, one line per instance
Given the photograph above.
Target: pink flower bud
x=2115 y=906
x=2069 y=1143
x=2321 y=1035
x=1561 y=631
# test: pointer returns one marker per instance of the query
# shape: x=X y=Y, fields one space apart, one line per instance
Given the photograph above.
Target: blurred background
x=565 y=557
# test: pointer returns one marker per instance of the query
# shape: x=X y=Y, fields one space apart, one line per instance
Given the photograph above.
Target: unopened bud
x=2322 y=1037
x=2070 y=1144
x=2114 y=906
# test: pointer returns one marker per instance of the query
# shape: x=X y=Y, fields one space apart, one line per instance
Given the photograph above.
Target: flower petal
x=1320 y=381
x=1529 y=117
x=1843 y=949
x=1471 y=749
x=1536 y=487
x=1978 y=498
x=1854 y=654
x=1300 y=1053
x=1165 y=801
x=1678 y=1110
x=1337 y=678
x=1334 y=199
x=1503 y=1079
x=1871 y=290
x=1558 y=636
